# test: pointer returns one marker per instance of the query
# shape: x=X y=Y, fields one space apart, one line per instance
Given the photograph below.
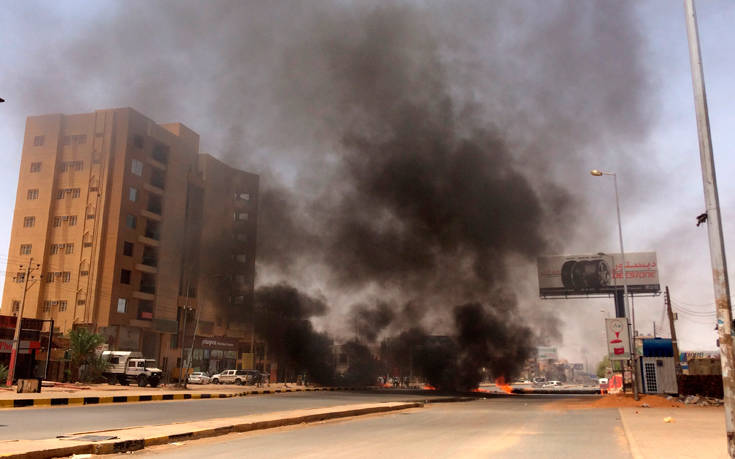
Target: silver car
x=199 y=377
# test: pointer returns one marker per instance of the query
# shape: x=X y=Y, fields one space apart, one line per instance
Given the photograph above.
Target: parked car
x=199 y=377
x=238 y=377
x=553 y=384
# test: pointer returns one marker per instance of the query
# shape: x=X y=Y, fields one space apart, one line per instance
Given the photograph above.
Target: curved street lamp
x=599 y=173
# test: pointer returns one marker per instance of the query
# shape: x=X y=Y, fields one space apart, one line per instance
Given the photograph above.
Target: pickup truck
x=126 y=367
x=238 y=377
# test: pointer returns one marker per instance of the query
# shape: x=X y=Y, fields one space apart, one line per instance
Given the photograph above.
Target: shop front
x=214 y=354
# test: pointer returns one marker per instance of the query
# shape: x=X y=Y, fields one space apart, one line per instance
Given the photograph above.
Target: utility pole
x=674 y=344
x=183 y=334
x=714 y=227
x=18 y=321
x=191 y=349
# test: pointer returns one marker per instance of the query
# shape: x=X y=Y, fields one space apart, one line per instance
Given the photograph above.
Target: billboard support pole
x=619 y=304
x=714 y=227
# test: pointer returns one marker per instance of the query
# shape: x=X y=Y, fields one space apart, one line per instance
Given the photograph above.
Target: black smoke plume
x=282 y=316
x=408 y=152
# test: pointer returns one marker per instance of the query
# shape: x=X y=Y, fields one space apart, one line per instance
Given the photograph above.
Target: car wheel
x=142 y=381
x=122 y=380
x=215 y=381
x=111 y=380
x=238 y=382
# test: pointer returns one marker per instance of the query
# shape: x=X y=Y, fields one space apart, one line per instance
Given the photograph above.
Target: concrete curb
x=634 y=449
x=72 y=401
x=193 y=432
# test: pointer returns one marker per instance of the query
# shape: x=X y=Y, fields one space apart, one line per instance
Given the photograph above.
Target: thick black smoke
x=368 y=322
x=409 y=152
x=282 y=316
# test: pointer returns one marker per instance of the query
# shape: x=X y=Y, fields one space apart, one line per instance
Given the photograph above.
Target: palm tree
x=84 y=360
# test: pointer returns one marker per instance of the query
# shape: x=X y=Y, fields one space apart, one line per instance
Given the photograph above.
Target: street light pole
x=628 y=315
x=720 y=279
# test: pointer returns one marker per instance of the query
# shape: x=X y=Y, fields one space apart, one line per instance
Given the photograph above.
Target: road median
x=133 y=439
x=40 y=401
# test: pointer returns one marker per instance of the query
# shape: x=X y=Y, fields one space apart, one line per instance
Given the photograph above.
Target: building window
x=241 y=216
x=79 y=139
x=73 y=192
x=38 y=141
x=29 y=222
x=130 y=221
x=33 y=194
x=20 y=277
x=145 y=310
x=133 y=194
x=25 y=249
x=58 y=276
x=122 y=305
x=36 y=167
x=84 y=273
x=81 y=302
x=125 y=276
x=138 y=141
x=47 y=306
x=128 y=249
x=90 y=216
x=70 y=220
x=62 y=248
x=16 y=306
x=136 y=167
x=62 y=305
x=66 y=166
x=242 y=196
x=160 y=153
x=86 y=244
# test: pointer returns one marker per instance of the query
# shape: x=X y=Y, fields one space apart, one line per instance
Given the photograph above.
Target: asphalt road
x=37 y=423
x=514 y=427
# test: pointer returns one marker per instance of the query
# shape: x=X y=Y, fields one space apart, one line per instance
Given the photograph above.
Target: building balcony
x=153 y=242
x=144 y=296
x=150 y=215
x=153 y=189
x=155 y=163
x=146 y=268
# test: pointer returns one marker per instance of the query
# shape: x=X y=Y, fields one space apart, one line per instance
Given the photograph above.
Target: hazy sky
x=659 y=206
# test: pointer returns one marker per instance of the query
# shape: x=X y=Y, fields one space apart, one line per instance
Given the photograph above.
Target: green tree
x=603 y=366
x=87 y=366
x=3 y=374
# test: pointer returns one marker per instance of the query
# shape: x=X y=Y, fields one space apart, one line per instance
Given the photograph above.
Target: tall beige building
x=129 y=227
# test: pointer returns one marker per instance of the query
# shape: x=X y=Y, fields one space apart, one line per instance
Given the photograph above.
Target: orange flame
x=500 y=384
x=429 y=387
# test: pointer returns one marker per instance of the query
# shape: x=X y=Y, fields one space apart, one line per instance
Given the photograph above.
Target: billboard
x=618 y=339
x=567 y=275
x=546 y=353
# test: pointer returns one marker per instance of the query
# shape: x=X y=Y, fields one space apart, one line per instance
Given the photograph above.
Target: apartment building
x=120 y=215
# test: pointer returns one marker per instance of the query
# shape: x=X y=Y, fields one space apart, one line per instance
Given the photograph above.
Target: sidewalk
x=695 y=432
x=136 y=438
x=74 y=394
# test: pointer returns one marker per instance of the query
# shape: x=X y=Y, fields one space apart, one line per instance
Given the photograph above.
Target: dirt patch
x=616 y=401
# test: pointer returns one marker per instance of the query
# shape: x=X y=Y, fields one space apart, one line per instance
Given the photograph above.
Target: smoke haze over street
x=415 y=158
